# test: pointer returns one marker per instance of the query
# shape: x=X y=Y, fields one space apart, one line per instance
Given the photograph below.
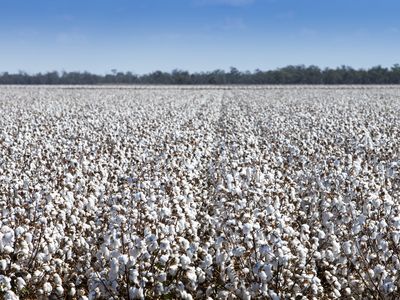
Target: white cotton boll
x=371 y=273
x=163 y=259
x=162 y=277
x=28 y=237
x=191 y=274
x=376 y=202
x=59 y=291
x=247 y=228
x=270 y=209
x=207 y=261
x=321 y=234
x=263 y=276
x=10 y=295
x=19 y=231
x=268 y=270
x=47 y=288
x=5 y=283
x=164 y=245
x=356 y=228
x=396 y=236
x=185 y=261
x=185 y=243
x=136 y=293
x=20 y=282
x=265 y=250
x=305 y=228
x=57 y=279
x=3 y=264
x=220 y=258
x=113 y=275
x=389 y=286
x=337 y=293
x=238 y=251
x=173 y=270
x=223 y=295
x=186 y=296
x=383 y=245
x=379 y=269
x=329 y=255
x=133 y=275
x=347 y=247
x=335 y=247
x=273 y=295
x=246 y=295
x=8 y=249
x=72 y=291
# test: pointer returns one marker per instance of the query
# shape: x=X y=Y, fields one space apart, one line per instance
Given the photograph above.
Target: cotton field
x=200 y=193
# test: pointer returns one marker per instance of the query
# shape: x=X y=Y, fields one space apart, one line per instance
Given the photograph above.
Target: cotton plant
x=199 y=193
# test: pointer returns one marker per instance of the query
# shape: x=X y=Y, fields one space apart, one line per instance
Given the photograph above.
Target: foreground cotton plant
x=193 y=193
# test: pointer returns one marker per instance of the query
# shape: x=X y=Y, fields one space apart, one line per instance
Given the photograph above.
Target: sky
x=142 y=36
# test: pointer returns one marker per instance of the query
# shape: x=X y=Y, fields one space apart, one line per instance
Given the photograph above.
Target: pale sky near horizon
x=196 y=35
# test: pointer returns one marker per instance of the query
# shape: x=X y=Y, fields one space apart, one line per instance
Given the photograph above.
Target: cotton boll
x=335 y=247
x=114 y=269
x=207 y=261
x=185 y=261
x=72 y=290
x=247 y=228
x=396 y=236
x=270 y=209
x=20 y=283
x=238 y=251
x=3 y=264
x=273 y=295
x=47 y=288
x=173 y=270
x=10 y=295
x=164 y=245
x=191 y=274
x=163 y=259
x=5 y=283
x=57 y=279
x=263 y=276
x=347 y=247
x=59 y=291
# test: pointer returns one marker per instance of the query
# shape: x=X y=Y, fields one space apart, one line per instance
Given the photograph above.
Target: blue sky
x=196 y=35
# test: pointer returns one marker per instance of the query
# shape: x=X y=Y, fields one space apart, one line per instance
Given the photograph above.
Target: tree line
x=288 y=75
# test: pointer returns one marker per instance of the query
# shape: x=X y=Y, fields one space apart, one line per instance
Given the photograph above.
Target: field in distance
x=204 y=192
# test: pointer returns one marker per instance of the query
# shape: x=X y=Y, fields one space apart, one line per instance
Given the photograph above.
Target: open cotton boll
x=335 y=247
x=5 y=283
x=114 y=269
x=10 y=295
x=136 y=293
x=3 y=264
x=185 y=261
x=191 y=274
x=59 y=291
x=20 y=283
x=47 y=288
x=247 y=228
x=347 y=247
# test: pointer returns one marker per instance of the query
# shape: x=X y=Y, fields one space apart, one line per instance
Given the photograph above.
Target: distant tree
x=299 y=74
